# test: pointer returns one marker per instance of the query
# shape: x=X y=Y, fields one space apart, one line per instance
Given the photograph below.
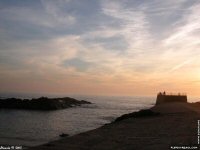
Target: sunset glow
x=104 y=47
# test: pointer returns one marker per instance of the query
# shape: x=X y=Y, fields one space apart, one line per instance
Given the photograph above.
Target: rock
x=138 y=114
x=42 y=103
x=63 y=135
x=49 y=144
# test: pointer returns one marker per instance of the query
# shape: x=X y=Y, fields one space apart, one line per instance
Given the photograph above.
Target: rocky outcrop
x=138 y=114
x=64 y=135
x=42 y=103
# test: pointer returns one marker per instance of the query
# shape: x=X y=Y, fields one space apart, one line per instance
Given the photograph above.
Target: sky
x=102 y=47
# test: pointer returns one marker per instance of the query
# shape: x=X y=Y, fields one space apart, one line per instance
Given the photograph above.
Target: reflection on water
x=29 y=128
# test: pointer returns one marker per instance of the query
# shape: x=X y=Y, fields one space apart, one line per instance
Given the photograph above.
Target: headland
x=162 y=126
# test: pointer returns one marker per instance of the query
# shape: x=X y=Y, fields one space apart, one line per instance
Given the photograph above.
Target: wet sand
x=176 y=125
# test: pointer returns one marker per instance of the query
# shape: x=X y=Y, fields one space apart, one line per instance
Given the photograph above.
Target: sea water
x=31 y=128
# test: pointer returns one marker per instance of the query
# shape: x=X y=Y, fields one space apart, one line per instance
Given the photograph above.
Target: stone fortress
x=168 y=98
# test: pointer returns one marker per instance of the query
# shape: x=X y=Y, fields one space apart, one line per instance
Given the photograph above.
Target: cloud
x=100 y=43
x=181 y=65
x=110 y=43
x=36 y=55
x=186 y=29
x=45 y=19
x=78 y=64
x=56 y=10
x=134 y=27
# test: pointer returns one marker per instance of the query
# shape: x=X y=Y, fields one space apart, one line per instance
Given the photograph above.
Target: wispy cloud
x=182 y=64
x=133 y=24
x=186 y=29
x=99 y=45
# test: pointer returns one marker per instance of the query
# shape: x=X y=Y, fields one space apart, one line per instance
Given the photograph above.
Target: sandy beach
x=176 y=125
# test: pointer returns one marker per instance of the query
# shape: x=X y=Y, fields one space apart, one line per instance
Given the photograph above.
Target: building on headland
x=168 y=98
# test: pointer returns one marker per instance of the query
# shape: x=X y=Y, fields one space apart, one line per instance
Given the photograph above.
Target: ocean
x=30 y=128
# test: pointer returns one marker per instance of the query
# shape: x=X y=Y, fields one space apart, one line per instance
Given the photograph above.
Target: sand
x=176 y=125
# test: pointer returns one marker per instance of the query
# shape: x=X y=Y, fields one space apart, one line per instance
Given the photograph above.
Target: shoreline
x=176 y=125
x=71 y=121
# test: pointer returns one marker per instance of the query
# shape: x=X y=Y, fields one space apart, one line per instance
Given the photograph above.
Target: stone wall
x=170 y=98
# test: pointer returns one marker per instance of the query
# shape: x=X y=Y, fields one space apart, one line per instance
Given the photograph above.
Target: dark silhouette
x=42 y=103
x=166 y=98
x=138 y=114
x=64 y=135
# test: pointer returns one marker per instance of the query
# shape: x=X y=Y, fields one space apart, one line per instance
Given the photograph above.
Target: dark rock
x=141 y=113
x=85 y=102
x=49 y=144
x=42 y=103
x=63 y=135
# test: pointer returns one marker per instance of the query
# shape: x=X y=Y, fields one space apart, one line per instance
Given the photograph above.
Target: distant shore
x=170 y=124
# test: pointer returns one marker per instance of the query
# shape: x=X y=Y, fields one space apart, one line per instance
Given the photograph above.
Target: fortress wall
x=171 y=98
